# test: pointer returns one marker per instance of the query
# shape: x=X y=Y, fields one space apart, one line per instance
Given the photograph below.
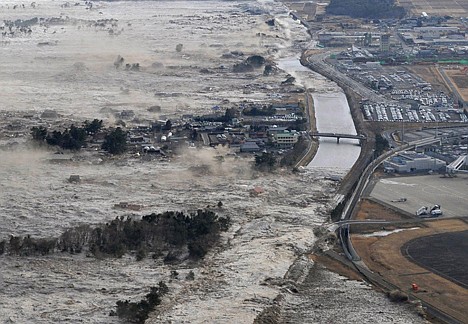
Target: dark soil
x=444 y=254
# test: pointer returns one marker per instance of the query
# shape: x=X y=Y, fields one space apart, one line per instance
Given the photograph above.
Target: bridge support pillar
x=337 y=140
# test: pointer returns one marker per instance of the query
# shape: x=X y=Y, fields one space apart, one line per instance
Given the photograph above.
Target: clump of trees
x=73 y=138
x=381 y=144
x=26 y=246
x=165 y=233
x=373 y=9
x=293 y=156
x=259 y=111
x=265 y=162
x=115 y=142
x=137 y=312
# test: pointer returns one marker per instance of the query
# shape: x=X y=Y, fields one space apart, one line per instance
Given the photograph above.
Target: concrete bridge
x=338 y=136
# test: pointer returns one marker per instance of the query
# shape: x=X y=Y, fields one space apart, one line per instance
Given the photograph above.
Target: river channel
x=332 y=115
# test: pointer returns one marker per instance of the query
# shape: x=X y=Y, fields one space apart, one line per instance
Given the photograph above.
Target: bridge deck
x=337 y=135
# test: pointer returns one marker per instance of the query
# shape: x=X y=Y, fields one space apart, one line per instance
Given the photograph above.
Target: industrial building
x=408 y=162
x=385 y=43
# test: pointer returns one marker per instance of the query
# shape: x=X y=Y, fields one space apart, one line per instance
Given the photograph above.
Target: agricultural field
x=436 y=7
x=459 y=79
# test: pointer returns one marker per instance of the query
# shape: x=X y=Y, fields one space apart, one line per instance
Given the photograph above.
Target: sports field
x=427 y=251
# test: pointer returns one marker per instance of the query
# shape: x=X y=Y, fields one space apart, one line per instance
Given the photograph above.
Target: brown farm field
x=460 y=80
x=436 y=7
x=384 y=255
x=430 y=74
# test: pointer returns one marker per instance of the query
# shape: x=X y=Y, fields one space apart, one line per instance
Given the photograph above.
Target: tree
x=55 y=138
x=168 y=125
x=265 y=161
x=133 y=312
x=115 y=142
x=39 y=133
x=74 y=138
x=190 y=275
x=93 y=127
x=231 y=113
x=381 y=144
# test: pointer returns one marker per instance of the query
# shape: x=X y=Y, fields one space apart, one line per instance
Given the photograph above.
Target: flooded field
x=65 y=61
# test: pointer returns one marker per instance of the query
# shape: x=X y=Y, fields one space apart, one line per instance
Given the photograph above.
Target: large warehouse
x=407 y=162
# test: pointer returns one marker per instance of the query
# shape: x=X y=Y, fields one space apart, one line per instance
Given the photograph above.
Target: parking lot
x=404 y=113
x=410 y=98
x=425 y=190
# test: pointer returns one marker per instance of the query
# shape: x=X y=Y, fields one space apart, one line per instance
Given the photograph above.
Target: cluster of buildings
x=449 y=156
x=412 y=39
x=249 y=139
x=242 y=134
x=434 y=35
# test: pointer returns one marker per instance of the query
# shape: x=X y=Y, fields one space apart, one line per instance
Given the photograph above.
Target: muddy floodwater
x=61 y=57
x=333 y=116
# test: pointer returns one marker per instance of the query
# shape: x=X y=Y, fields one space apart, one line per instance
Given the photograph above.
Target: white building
x=407 y=162
x=285 y=139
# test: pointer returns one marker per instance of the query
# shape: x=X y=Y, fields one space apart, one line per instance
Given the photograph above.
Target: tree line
x=164 y=234
x=76 y=137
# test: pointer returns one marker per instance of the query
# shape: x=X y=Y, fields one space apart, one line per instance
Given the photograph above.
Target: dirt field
x=436 y=7
x=430 y=74
x=372 y=210
x=383 y=255
x=460 y=81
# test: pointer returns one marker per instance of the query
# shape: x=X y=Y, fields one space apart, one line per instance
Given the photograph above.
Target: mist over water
x=67 y=65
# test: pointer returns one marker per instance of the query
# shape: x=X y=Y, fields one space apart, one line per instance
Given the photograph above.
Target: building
x=249 y=147
x=408 y=162
x=285 y=139
x=385 y=43
x=275 y=130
